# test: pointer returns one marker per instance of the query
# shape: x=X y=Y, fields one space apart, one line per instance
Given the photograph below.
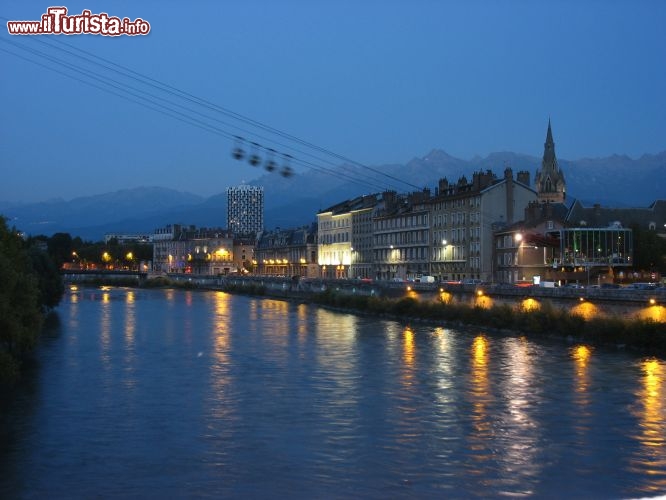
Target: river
x=178 y=394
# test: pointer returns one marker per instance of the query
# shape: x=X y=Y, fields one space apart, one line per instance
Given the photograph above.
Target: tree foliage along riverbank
x=646 y=335
x=30 y=285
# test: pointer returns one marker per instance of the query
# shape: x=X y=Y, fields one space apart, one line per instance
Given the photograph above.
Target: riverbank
x=546 y=320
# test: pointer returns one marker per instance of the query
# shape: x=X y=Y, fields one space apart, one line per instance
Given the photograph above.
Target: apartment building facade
x=462 y=217
x=194 y=250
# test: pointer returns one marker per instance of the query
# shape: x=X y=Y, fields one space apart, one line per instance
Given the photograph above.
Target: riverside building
x=401 y=231
x=463 y=216
x=194 y=250
x=345 y=238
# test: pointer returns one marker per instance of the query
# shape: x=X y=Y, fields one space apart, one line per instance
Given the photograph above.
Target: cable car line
x=221 y=109
x=352 y=176
x=171 y=113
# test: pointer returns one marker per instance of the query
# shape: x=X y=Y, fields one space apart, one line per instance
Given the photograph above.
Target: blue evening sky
x=375 y=81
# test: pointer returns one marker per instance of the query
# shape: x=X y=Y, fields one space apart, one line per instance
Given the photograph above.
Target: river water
x=181 y=394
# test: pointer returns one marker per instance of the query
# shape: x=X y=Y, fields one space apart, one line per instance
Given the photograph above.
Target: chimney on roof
x=508 y=176
x=523 y=177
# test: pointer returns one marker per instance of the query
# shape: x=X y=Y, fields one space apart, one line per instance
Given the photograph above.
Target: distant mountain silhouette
x=289 y=202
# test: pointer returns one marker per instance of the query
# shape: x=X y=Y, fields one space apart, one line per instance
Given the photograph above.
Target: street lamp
x=518 y=238
x=444 y=245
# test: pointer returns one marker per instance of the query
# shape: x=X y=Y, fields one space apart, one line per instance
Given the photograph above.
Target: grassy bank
x=646 y=335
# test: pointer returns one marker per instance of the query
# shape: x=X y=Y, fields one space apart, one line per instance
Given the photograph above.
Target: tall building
x=245 y=209
x=549 y=180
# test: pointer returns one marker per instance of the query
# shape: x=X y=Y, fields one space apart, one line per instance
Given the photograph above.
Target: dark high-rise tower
x=550 y=185
x=245 y=209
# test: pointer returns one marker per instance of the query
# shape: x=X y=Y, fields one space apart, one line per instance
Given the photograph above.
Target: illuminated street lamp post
x=444 y=245
x=518 y=238
x=106 y=258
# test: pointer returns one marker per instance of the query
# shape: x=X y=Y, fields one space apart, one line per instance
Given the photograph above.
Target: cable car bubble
x=286 y=168
x=270 y=164
x=254 y=158
x=238 y=152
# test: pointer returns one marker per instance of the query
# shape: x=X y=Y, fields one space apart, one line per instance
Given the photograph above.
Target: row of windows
x=398 y=222
x=327 y=239
x=401 y=254
x=403 y=238
x=460 y=202
x=456 y=219
x=335 y=223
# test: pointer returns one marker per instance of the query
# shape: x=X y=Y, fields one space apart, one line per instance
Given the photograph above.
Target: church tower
x=550 y=185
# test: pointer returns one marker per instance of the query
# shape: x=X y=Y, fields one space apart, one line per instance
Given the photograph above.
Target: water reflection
x=219 y=368
x=522 y=429
x=243 y=397
x=408 y=347
x=651 y=413
x=129 y=335
x=480 y=441
x=105 y=330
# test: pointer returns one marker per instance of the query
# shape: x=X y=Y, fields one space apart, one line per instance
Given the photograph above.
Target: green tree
x=20 y=307
x=60 y=248
x=49 y=281
x=649 y=250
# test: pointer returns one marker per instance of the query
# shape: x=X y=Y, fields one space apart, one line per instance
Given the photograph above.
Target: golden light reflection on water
x=129 y=334
x=480 y=396
x=302 y=315
x=221 y=308
x=581 y=355
x=408 y=346
x=582 y=399
x=105 y=330
x=276 y=312
x=219 y=369
x=651 y=413
x=336 y=329
x=130 y=318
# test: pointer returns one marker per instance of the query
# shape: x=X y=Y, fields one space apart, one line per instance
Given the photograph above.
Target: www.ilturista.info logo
x=56 y=22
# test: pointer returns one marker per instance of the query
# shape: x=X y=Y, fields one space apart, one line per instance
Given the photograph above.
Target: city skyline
x=374 y=85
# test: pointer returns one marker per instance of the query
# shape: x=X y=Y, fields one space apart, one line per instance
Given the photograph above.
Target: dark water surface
x=178 y=394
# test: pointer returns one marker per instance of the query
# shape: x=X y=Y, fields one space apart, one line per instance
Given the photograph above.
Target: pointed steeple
x=549 y=179
x=549 y=148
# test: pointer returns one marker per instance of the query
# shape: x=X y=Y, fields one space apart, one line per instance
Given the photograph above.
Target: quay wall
x=623 y=303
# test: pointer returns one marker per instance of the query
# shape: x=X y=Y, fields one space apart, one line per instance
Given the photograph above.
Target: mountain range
x=616 y=180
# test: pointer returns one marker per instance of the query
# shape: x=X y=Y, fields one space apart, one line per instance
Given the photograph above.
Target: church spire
x=549 y=179
x=549 y=148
